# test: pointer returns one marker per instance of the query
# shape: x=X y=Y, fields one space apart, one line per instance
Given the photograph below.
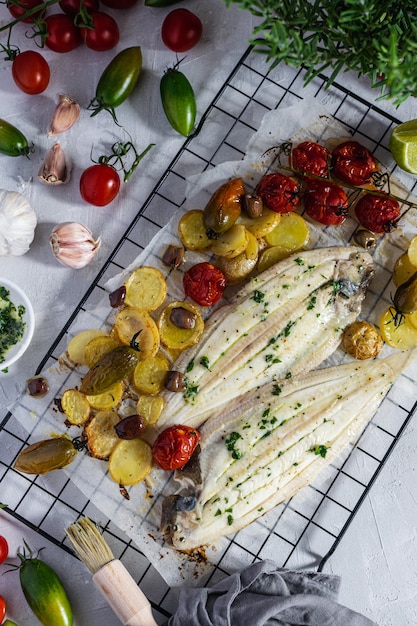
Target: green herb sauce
x=12 y=326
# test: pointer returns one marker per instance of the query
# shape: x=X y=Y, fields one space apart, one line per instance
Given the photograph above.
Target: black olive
x=37 y=387
x=117 y=297
x=182 y=318
x=130 y=427
x=175 y=381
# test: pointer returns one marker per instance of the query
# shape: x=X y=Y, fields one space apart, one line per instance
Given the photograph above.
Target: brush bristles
x=89 y=544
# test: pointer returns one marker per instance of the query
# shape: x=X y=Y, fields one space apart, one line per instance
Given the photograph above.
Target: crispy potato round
x=129 y=321
x=261 y=226
x=402 y=336
x=173 y=337
x=98 y=347
x=362 y=340
x=101 y=435
x=150 y=408
x=77 y=345
x=108 y=399
x=130 y=462
x=231 y=243
x=145 y=288
x=292 y=232
x=270 y=256
x=149 y=375
x=75 y=406
x=412 y=251
x=403 y=270
x=192 y=231
x=240 y=267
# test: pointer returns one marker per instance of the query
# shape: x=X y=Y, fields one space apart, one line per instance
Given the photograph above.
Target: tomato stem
x=28 y=13
x=119 y=152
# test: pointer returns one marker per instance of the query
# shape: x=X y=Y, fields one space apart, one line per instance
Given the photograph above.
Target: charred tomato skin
x=325 y=202
x=377 y=214
x=279 y=193
x=174 y=446
x=310 y=157
x=353 y=163
x=204 y=283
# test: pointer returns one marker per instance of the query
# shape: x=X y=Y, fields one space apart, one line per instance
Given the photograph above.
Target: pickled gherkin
x=46 y=455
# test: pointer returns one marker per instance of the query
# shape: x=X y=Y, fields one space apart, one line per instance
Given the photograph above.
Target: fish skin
x=328 y=407
x=250 y=323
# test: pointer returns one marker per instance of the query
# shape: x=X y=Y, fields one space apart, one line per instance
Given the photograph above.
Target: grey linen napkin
x=264 y=595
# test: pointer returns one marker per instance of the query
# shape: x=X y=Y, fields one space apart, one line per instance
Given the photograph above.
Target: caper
x=173 y=256
x=405 y=297
x=252 y=205
x=182 y=318
x=175 y=381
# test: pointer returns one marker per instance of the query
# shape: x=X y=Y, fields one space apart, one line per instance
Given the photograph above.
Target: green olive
x=46 y=455
x=405 y=298
x=224 y=206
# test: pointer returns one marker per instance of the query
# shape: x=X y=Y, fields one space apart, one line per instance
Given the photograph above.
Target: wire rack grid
x=315 y=520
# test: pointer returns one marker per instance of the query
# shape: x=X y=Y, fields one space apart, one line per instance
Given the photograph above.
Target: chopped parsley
x=231 y=443
x=320 y=450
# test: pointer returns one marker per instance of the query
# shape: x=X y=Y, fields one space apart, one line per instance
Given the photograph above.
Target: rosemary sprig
x=375 y=38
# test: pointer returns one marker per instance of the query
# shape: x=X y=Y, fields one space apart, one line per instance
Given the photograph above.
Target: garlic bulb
x=66 y=114
x=17 y=223
x=73 y=244
x=56 y=168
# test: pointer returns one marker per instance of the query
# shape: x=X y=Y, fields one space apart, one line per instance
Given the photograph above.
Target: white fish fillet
x=283 y=322
x=265 y=447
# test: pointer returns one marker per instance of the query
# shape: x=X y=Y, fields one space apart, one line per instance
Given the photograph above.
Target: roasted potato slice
x=398 y=334
x=150 y=408
x=130 y=462
x=261 y=226
x=231 y=243
x=129 y=321
x=149 y=375
x=412 y=251
x=270 y=256
x=292 y=232
x=97 y=347
x=174 y=337
x=145 y=288
x=75 y=406
x=77 y=345
x=108 y=399
x=403 y=270
x=240 y=267
x=192 y=231
x=101 y=435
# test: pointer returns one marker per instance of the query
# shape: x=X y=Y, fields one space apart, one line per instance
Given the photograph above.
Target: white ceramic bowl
x=18 y=297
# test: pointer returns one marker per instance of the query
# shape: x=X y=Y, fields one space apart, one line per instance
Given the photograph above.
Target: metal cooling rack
x=317 y=517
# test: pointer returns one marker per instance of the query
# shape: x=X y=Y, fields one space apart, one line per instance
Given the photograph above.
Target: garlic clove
x=73 y=244
x=56 y=167
x=66 y=114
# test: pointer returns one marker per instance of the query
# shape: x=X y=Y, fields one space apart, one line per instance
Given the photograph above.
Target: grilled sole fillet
x=284 y=322
x=265 y=447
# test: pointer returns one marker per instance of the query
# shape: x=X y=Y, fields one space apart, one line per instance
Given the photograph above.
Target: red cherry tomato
x=325 y=202
x=63 y=35
x=204 y=283
x=17 y=9
x=2 y=609
x=377 y=214
x=311 y=158
x=72 y=7
x=31 y=72
x=104 y=34
x=353 y=163
x=119 y=4
x=4 y=549
x=278 y=192
x=99 y=184
x=174 y=446
x=181 y=30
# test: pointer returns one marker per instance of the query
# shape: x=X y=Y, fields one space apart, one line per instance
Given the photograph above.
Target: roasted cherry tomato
x=325 y=202
x=2 y=609
x=353 y=163
x=4 y=549
x=99 y=184
x=204 y=283
x=181 y=30
x=31 y=72
x=278 y=192
x=17 y=9
x=311 y=158
x=377 y=214
x=174 y=446
x=72 y=7
x=104 y=33
x=62 y=34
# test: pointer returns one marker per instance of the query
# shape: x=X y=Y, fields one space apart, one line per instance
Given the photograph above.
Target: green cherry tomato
x=178 y=101
x=12 y=140
x=117 y=81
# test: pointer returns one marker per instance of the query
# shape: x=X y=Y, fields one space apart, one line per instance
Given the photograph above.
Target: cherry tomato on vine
x=2 y=609
x=72 y=7
x=99 y=184
x=4 y=549
x=31 y=72
x=353 y=163
x=62 y=34
x=278 y=192
x=174 y=446
x=311 y=158
x=325 y=202
x=119 y=4
x=204 y=283
x=20 y=8
x=181 y=30
x=104 y=34
x=377 y=214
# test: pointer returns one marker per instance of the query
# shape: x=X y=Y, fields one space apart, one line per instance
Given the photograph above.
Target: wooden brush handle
x=123 y=595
